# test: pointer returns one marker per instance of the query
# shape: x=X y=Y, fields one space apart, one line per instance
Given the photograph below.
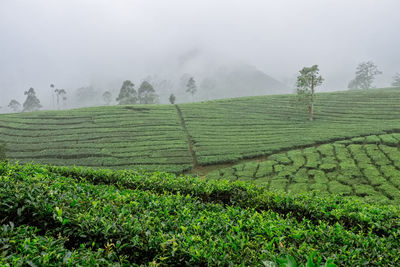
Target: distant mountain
x=240 y=80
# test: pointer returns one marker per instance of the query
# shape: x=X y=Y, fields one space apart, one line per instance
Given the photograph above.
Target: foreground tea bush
x=148 y=225
x=352 y=214
x=23 y=246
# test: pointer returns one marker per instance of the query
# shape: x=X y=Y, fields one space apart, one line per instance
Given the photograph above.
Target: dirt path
x=189 y=138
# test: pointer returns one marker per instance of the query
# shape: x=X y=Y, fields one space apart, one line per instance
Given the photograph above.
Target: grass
x=74 y=216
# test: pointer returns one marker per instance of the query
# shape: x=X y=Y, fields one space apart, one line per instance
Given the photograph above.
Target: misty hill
x=240 y=80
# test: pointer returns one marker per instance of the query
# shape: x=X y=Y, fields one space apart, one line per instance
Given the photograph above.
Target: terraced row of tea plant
x=148 y=137
x=71 y=216
x=367 y=167
x=233 y=129
x=173 y=138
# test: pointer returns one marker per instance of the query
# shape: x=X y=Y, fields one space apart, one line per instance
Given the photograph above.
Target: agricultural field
x=364 y=167
x=234 y=129
x=277 y=190
x=180 y=138
x=69 y=216
x=117 y=137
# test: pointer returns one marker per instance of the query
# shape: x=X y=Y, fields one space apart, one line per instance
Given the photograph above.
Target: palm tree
x=60 y=92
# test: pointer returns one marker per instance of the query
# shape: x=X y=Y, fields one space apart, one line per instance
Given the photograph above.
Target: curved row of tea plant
x=150 y=137
x=365 y=167
x=351 y=214
x=233 y=129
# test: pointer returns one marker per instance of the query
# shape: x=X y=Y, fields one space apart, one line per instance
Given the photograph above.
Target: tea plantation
x=178 y=138
x=117 y=137
x=365 y=167
x=73 y=216
x=233 y=129
x=276 y=189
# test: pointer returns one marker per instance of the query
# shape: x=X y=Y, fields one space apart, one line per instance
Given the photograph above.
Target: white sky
x=73 y=43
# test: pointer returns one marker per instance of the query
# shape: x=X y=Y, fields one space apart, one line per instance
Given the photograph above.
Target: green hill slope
x=159 y=137
x=149 y=137
x=232 y=129
x=52 y=216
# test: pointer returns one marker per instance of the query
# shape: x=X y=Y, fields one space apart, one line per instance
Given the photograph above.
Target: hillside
x=148 y=137
x=268 y=195
x=73 y=216
x=158 y=137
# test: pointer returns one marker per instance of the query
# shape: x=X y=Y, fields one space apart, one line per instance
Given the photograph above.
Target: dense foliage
x=82 y=216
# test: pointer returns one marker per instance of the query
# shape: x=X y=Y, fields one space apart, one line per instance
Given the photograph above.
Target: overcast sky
x=73 y=43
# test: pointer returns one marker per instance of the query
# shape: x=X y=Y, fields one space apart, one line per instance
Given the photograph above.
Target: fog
x=101 y=43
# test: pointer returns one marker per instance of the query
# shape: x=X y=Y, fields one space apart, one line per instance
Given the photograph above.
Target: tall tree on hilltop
x=191 y=87
x=396 y=80
x=172 y=99
x=307 y=81
x=107 y=97
x=365 y=76
x=14 y=105
x=147 y=94
x=32 y=103
x=127 y=94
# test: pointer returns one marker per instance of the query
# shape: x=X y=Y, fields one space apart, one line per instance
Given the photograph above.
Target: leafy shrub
x=164 y=219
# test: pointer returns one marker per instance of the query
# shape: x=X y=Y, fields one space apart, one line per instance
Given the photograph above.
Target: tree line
x=307 y=81
x=128 y=95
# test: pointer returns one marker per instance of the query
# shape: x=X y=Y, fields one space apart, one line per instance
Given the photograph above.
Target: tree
x=107 y=97
x=365 y=76
x=52 y=94
x=396 y=80
x=191 y=87
x=172 y=99
x=31 y=103
x=60 y=93
x=127 y=94
x=147 y=94
x=14 y=105
x=307 y=81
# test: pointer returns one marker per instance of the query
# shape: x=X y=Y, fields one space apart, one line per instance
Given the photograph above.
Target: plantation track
x=189 y=138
